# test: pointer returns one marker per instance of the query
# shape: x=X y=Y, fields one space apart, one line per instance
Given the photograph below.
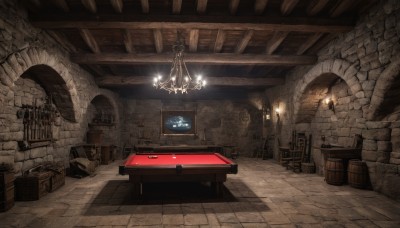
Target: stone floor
x=262 y=194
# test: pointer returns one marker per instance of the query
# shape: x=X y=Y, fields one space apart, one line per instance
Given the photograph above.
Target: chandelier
x=179 y=79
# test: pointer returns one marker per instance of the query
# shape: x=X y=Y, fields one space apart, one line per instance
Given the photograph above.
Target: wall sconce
x=278 y=111
x=267 y=114
x=330 y=103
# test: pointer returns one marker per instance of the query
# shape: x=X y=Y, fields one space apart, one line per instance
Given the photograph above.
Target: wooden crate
x=32 y=186
x=7 y=198
x=6 y=179
x=105 y=155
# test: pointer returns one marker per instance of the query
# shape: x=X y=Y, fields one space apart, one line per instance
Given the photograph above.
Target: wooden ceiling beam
x=61 y=4
x=193 y=40
x=316 y=6
x=90 y=5
x=33 y=5
x=118 y=5
x=60 y=38
x=158 y=40
x=219 y=41
x=243 y=43
x=233 y=59
x=233 y=6
x=176 y=6
x=259 y=6
x=289 y=25
x=275 y=41
x=309 y=43
x=321 y=43
x=341 y=7
x=145 y=6
x=287 y=6
x=128 y=42
x=201 y=6
x=89 y=40
x=114 y=80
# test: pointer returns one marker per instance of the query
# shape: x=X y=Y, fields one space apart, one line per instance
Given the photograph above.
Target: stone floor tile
x=195 y=219
x=145 y=219
x=275 y=218
x=114 y=220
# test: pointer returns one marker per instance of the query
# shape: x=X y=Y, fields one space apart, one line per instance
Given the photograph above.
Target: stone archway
x=40 y=63
x=324 y=73
x=381 y=101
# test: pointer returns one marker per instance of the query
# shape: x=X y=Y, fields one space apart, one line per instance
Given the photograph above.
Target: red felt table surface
x=173 y=159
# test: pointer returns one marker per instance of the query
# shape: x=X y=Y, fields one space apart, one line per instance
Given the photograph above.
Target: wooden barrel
x=357 y=174
x=94 y=137
x=334 y=171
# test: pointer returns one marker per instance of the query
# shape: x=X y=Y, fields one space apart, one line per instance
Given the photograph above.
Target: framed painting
x=178 y=122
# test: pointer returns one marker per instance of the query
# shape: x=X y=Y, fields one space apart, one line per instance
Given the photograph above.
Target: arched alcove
x=315 y=83
x=385 y=97
x=55 y=88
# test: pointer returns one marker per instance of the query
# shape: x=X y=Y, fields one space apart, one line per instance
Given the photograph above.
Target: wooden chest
x=6 y=190
x=57 y=178
x=32 y=186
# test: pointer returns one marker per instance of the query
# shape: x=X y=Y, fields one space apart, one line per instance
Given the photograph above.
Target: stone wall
x=361 y=71
x=220 y=122
x=24 y=48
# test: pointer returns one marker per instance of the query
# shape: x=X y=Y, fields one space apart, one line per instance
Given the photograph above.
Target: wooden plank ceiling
x=248 y=43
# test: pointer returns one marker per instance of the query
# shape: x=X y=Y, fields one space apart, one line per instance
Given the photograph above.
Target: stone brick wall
x=220 y=122
x=360 y=70
x=24 y=48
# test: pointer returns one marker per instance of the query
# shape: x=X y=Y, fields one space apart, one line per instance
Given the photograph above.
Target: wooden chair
x=284 y=154
x=297 y=155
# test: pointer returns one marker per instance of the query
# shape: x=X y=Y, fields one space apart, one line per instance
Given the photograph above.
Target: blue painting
x=178 y=124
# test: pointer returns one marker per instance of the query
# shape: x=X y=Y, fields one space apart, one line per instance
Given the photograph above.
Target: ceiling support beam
x=259 y=6
x=219 y=41
x=233 y=6
x=287 y=6
x=90 y=5
x=128 y=42
x=201 y=6
x=176 y=6
x=242 y=59
x=145 y=6
x=158 y=41
x=193 y=40
x=321 y=43
x=291 y=25
x=113 y=80
x=309 y=43
x=316 y=6
x=89 y=40
x=61 y=4
x=60 y=38
x=118 y=5
x=341 y=7
x=243 y=43
x=275 y=41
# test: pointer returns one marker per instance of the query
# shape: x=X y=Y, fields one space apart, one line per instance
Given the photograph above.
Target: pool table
x=170 y=167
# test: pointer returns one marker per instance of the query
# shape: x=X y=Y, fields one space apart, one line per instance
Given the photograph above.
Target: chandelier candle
x=179 y=79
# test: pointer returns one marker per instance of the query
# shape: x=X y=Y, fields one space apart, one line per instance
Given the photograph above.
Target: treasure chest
x=33 y=186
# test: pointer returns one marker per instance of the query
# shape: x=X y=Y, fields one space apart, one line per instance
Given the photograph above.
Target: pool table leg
x=218 y=188
x=137 y=186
